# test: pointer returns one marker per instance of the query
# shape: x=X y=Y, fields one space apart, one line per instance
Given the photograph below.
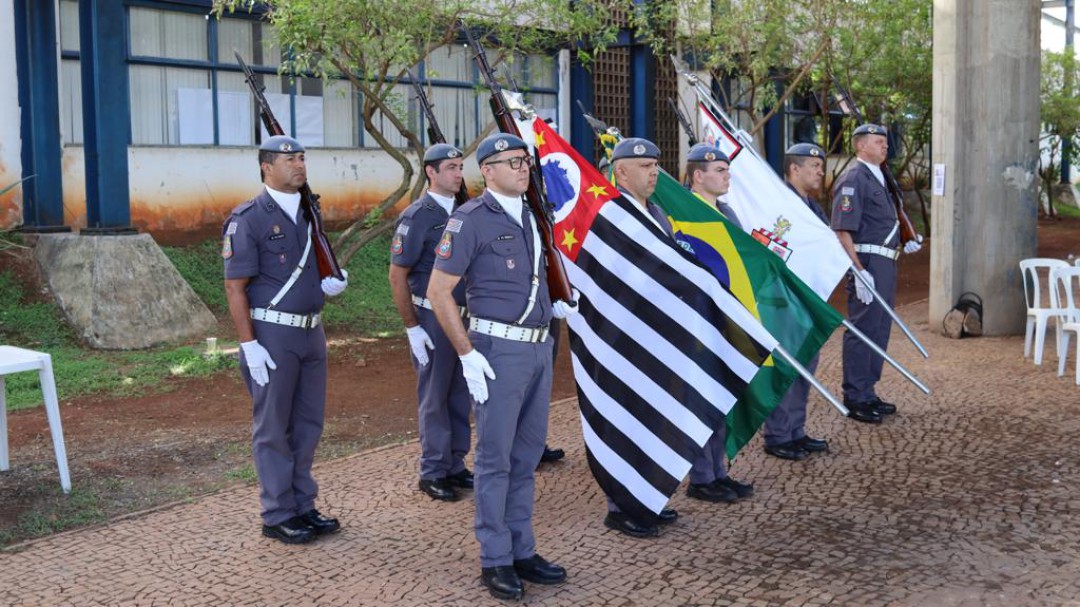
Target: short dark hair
x=435 y=164
x=268 y=158
x=790 y=161
x=691 y=167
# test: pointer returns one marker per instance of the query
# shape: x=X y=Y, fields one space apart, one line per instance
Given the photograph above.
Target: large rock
x=120 y=292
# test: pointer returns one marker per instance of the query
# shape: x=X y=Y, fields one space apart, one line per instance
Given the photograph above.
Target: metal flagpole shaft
x=877 y=349
x=891 y=312
x=809 y=377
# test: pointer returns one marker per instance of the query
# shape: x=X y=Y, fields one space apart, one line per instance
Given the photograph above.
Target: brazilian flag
x=790 y=310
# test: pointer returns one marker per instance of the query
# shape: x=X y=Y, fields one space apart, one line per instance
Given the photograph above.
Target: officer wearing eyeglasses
x=492 y=243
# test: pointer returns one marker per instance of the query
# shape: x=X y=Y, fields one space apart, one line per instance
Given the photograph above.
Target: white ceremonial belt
x=876 y=249
x=424 y=302
x=304 y=321
x=505 y=331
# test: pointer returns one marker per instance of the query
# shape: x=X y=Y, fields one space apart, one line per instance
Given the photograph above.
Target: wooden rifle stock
x=907 y=229
x=309 y=201
x=435 y=134
x=558 y=282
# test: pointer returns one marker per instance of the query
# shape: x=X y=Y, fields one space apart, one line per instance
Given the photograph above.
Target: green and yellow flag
x=790 y=310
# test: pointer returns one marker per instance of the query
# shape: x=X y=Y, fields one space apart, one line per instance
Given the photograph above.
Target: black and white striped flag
x=661 y=351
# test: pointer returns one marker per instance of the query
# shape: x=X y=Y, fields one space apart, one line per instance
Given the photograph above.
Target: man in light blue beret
x=492 y=244
x=442 y=395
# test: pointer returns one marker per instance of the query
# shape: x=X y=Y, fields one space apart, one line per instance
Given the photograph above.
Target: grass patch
x=245 y=473
x=365 y=308
x=1065 y=210
x=79 y=508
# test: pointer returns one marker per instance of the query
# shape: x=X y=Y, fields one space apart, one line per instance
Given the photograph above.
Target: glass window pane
x=340 y=112
x=156 y=103
x=157 y=33
x=235 y=34
x=69 y=25
x=71 y=110
x=450 y=63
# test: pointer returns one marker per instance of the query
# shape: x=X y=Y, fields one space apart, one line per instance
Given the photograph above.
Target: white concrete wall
x=10 y=128
x=188 y=191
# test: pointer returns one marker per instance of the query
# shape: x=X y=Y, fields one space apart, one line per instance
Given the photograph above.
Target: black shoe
x=461 y=480
x=551 y=455
x=813 y=445
x=439 y=489
x=710 y=492
x=537 y=570
x=791 y=451
x=882 y=407
x=292 y=531
x=620 y=521
x=742 y=490
x=667 y=516
x=502 y=582
x=322 y=525
x=863 y=412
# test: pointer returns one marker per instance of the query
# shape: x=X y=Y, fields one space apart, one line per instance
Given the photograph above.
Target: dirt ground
x=129 y=454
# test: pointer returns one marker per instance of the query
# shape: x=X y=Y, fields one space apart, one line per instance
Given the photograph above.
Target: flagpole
x=877 y=350
x=704 y=94
x=890 y=311
x=813 y=381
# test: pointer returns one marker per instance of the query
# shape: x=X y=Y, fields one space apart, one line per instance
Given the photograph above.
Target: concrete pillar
x=986 y=128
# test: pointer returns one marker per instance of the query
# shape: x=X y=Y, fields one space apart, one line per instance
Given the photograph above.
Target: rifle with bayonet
x=309 y=201
x=558 y=283
x=434 y=133
x=683 y=121
x=907 y=229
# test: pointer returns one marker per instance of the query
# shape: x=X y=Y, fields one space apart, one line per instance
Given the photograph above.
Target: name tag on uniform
x=439 y=227
x=277 y=236
x=506 y=237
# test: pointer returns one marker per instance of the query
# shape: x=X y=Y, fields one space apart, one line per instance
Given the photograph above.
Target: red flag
x=574 y=187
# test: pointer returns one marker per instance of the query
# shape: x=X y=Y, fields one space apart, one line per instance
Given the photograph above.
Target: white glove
x=419 y=343
x=258 y=361
x=474 y=367
x=862 y=292
x=562 y=309
x=332 y=286
x=913 y=246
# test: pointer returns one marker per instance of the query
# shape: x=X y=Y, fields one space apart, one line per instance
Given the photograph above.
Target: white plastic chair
x=1038 y=314
x=1066 y=283
x=15 y=360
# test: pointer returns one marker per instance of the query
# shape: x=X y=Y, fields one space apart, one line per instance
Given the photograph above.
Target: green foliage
x=366 y=307
x=200 y=265
x=78 y=508
x=1059 y=112
x=373 y=42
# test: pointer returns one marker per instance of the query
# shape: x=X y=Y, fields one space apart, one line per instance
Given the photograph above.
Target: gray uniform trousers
x=710 y=465
x=862 y=368
x=787 y=422
x=444 y=405
x=510 y=430
x=288 y=418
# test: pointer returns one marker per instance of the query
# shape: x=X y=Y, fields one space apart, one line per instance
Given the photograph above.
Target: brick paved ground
x=968 y=497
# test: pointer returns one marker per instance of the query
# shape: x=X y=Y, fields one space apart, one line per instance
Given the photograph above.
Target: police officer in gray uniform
x=866 y=223
x=275 y=297
x=443 y=396
x=493 y=244
x=708 y=171
x=634 y=161
x=785 y=429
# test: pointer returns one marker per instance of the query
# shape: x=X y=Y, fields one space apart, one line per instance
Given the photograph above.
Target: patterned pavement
x=967 y=497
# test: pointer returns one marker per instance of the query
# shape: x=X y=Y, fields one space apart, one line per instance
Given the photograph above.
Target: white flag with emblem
x=774 y=215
